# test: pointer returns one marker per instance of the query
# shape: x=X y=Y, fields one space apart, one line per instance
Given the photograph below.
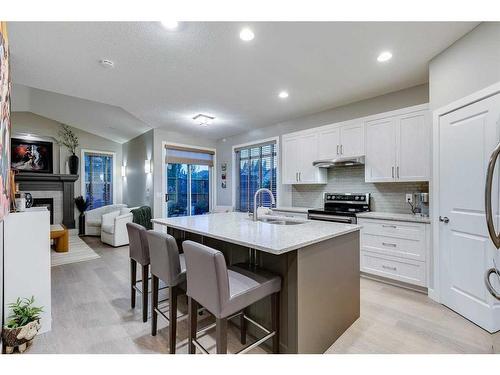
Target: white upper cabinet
x=336 y=141
x=352 y=140
x=299 y=152
x=398 y=147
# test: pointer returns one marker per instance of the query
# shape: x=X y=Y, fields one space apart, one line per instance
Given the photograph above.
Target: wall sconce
x=147 y=166
x=124 y=171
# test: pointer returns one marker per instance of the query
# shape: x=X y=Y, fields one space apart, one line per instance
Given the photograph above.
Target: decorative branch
x=67 y=138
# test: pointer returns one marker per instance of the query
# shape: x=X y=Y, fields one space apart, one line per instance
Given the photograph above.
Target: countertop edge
x=387 y=216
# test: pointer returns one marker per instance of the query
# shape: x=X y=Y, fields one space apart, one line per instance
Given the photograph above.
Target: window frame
x=82 y=171
x=236 y=169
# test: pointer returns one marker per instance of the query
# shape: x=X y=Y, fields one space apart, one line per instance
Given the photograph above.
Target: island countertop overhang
x=238 y=228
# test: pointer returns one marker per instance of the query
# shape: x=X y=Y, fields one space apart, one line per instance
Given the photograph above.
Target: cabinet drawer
x=394 y=246
x=397 y=229
x=408 y=271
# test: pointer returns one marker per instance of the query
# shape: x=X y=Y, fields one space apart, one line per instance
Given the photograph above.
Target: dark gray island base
x=320 y=288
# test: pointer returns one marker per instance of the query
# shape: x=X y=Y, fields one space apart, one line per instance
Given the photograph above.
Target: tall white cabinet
x=398 y=148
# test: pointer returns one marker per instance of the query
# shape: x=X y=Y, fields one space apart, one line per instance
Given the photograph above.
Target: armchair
x=114 y=227
x=93 y=218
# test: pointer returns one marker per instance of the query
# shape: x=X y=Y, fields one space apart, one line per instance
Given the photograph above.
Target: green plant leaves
x=23 y=312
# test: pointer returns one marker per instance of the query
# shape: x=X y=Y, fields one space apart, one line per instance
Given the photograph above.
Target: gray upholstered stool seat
x=226 y=293
x=168 y=266
x=139 y=253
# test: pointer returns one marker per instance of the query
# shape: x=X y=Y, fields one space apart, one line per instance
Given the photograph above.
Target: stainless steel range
x=341 y=207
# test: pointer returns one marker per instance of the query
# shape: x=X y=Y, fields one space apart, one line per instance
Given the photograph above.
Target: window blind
x=257 y=169
x=184 y=155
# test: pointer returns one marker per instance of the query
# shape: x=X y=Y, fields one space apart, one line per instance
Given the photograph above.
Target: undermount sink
x=281 y=221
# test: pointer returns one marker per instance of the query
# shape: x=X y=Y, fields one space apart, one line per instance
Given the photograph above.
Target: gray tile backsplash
x=385 y=197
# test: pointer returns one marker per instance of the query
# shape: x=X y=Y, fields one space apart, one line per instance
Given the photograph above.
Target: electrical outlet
x=409 y=198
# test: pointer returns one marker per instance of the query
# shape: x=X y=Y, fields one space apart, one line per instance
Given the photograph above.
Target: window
x=257 y=169
x=188 y=181
x=98 y=178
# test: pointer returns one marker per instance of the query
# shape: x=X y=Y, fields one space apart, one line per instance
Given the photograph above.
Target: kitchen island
x=318 y=262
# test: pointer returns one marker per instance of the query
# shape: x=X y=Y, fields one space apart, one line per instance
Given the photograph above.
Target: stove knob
x=362 y=198
x=356 y=198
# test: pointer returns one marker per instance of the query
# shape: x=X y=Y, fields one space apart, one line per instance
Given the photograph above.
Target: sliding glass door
x=188 y=189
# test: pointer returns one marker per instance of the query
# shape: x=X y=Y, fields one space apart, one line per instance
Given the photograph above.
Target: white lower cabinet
x=396 y=250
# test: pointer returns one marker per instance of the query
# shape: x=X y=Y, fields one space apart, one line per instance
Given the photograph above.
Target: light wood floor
x=92 y=314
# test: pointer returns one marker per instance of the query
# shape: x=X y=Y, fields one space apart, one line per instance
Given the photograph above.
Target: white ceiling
x=163 y=78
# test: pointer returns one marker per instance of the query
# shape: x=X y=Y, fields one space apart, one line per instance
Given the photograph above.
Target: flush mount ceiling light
x=384 y=56
x=106 y=63
x=170 y=24
x=246 y=34
x=202 y=119
x=283 y=94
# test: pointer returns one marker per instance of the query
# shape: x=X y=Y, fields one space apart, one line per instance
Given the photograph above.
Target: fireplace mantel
x=52 y=182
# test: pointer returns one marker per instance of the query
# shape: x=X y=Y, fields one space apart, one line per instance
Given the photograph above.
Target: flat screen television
x=31 y=155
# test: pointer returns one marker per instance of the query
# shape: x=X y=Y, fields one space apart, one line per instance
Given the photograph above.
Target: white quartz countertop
x=393 y=216
x=300 y=210
x=238 y=228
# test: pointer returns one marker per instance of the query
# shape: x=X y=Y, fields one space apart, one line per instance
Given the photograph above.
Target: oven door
x=333 y=218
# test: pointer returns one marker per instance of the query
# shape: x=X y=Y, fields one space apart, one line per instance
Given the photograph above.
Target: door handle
x=297 y=176
x=495 y=238
x=300 y=176
x=397 y=169
x=341 y=149
x=444 y=219
x=337 y=149
x=393 y=172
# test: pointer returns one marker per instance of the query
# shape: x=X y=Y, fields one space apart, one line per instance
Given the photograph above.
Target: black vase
x=73 y=164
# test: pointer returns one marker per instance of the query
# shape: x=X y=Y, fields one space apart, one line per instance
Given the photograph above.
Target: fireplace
x=45 y=202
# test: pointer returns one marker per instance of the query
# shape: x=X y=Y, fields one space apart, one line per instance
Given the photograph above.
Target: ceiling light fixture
x=106 y=63
x=170 y=24
x=202 y=119
x=384 y=56
x=283 y=94
x=246 y=34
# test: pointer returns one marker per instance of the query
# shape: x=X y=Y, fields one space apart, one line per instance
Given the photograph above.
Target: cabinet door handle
x=300 y=176
x=389 y=244
x=388 y=226
x=393 y=172
x=397 y=169
x=337 y=149
x=389 y=268
x=341 y=149
x=297 y=176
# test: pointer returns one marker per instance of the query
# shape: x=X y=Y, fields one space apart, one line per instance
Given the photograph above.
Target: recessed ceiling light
x=283 y=94
x=384 y=56
x=202 y=119
x=246 y=34
x=170 y=24
x=106 y=63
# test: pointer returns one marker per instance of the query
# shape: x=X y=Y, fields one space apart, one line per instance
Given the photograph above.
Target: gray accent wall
x=385 y=197
x=388 y=102
x=137 y=185
x=468 y=65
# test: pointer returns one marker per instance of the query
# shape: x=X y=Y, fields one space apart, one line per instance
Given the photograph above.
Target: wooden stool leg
x=221 y=335
x=243 y=328
x=145 y=292
x=154 y=305
x=133 y=281
x=173 y=292
x=275 y=317
x=192 y=323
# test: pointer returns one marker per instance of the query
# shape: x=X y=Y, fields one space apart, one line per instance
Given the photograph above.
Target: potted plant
x=68 y=139
x=22 y=325
x=81 y=205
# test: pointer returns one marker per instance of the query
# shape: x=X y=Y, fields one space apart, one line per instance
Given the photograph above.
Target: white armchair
x=93 y=218
x=114 y=227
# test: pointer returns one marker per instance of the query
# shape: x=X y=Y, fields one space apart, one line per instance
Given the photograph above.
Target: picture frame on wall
x=31 y=156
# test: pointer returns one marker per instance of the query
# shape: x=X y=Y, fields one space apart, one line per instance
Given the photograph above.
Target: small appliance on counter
x=341 y=207
x=423 y=203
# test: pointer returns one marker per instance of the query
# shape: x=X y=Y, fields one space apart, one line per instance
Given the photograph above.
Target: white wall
x=468 y=65
x=42 y=127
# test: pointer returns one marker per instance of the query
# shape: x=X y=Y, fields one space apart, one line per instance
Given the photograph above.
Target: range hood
x=340 y=162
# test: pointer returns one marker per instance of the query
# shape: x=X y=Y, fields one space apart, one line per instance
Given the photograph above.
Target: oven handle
x=329 y=218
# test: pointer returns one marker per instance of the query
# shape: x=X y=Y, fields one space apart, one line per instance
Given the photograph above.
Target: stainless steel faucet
x=262 y=190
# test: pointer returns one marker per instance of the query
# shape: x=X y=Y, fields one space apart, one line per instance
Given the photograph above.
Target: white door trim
x=434 y=291
x=213 y=175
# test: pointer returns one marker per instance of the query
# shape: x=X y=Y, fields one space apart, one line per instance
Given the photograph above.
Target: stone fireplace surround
x=52 y=185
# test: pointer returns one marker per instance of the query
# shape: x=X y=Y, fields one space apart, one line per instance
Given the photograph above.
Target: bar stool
x=226 y=293
x=168 y=266
x=139 y=253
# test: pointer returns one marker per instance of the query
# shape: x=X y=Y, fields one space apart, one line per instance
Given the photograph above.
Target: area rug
x=79 y=251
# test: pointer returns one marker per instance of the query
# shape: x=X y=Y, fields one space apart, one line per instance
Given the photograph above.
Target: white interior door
x=467 y=137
